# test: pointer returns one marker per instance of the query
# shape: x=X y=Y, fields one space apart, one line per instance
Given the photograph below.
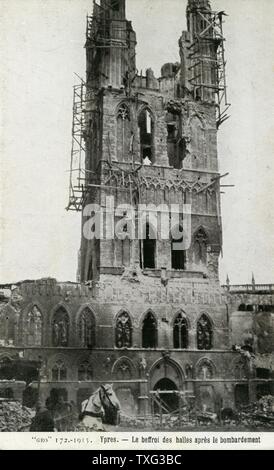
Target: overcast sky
x=41 y=48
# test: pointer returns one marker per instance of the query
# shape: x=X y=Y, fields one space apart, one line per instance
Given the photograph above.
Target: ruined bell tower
x=152 y=141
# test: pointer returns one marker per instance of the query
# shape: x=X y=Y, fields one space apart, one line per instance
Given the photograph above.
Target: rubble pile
x=14 y=417
x=258 y=414
x=132 y=421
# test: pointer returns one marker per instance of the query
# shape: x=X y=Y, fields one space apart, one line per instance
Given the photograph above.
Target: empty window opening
x=265 y=308
x=146 y=127
x=148 y=249
x=249 y=308
x=204 y=333
x=149 y=332
x=262 y=373
x=180 y=332
x=177 y=253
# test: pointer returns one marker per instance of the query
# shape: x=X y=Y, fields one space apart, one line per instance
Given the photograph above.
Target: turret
x=110 y=46
x=198 y=51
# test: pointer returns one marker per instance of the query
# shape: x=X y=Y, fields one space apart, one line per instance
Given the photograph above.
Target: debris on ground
x=14 y=417
x=260 y=413
x=135 y=422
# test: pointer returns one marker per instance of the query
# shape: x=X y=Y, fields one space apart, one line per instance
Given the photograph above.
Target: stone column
x=192 y=339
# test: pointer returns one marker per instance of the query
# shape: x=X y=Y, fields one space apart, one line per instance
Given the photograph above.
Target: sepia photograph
x=137 y=222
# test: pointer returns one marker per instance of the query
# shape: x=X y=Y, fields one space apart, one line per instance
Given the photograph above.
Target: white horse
x=100 y=409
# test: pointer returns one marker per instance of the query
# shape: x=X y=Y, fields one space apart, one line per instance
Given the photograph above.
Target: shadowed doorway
x=168 y=399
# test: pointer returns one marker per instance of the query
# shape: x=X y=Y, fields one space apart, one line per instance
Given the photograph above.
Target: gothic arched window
x=85 y=371
x=8 y=324
x=205 y=370
x=123 y=331
x=60 y=328
x=180 y=332
x=177 y=253
x=149 y=331
x=204 y=333
x=200 y=247
x=123 y=133
x=59 y=371
x=33 y=332
x=146 y=135
x=86 y=328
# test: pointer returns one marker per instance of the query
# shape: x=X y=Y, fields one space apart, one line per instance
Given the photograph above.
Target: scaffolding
x=186 y=405
x=77 y=179
x=104 y=31
x=206 y=52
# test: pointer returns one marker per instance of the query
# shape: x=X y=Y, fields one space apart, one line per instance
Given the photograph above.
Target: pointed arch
x=58 y=371
x=33 y=326
x=58 y=367
x=123 y=369
x=146 y=125
x=60 y=326
x=123 y=330
x=123 y=137
x=166 y=365
x=86 y=328
x=204 y=332
x=149 y=331
x=240 y=369
x=205 y=369
x=180 y=331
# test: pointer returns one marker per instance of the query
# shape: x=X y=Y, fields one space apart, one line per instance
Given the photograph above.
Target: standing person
x=43 y=419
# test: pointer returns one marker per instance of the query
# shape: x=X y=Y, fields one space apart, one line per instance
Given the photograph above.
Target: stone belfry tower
x=149 y=140
x=149 y=134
